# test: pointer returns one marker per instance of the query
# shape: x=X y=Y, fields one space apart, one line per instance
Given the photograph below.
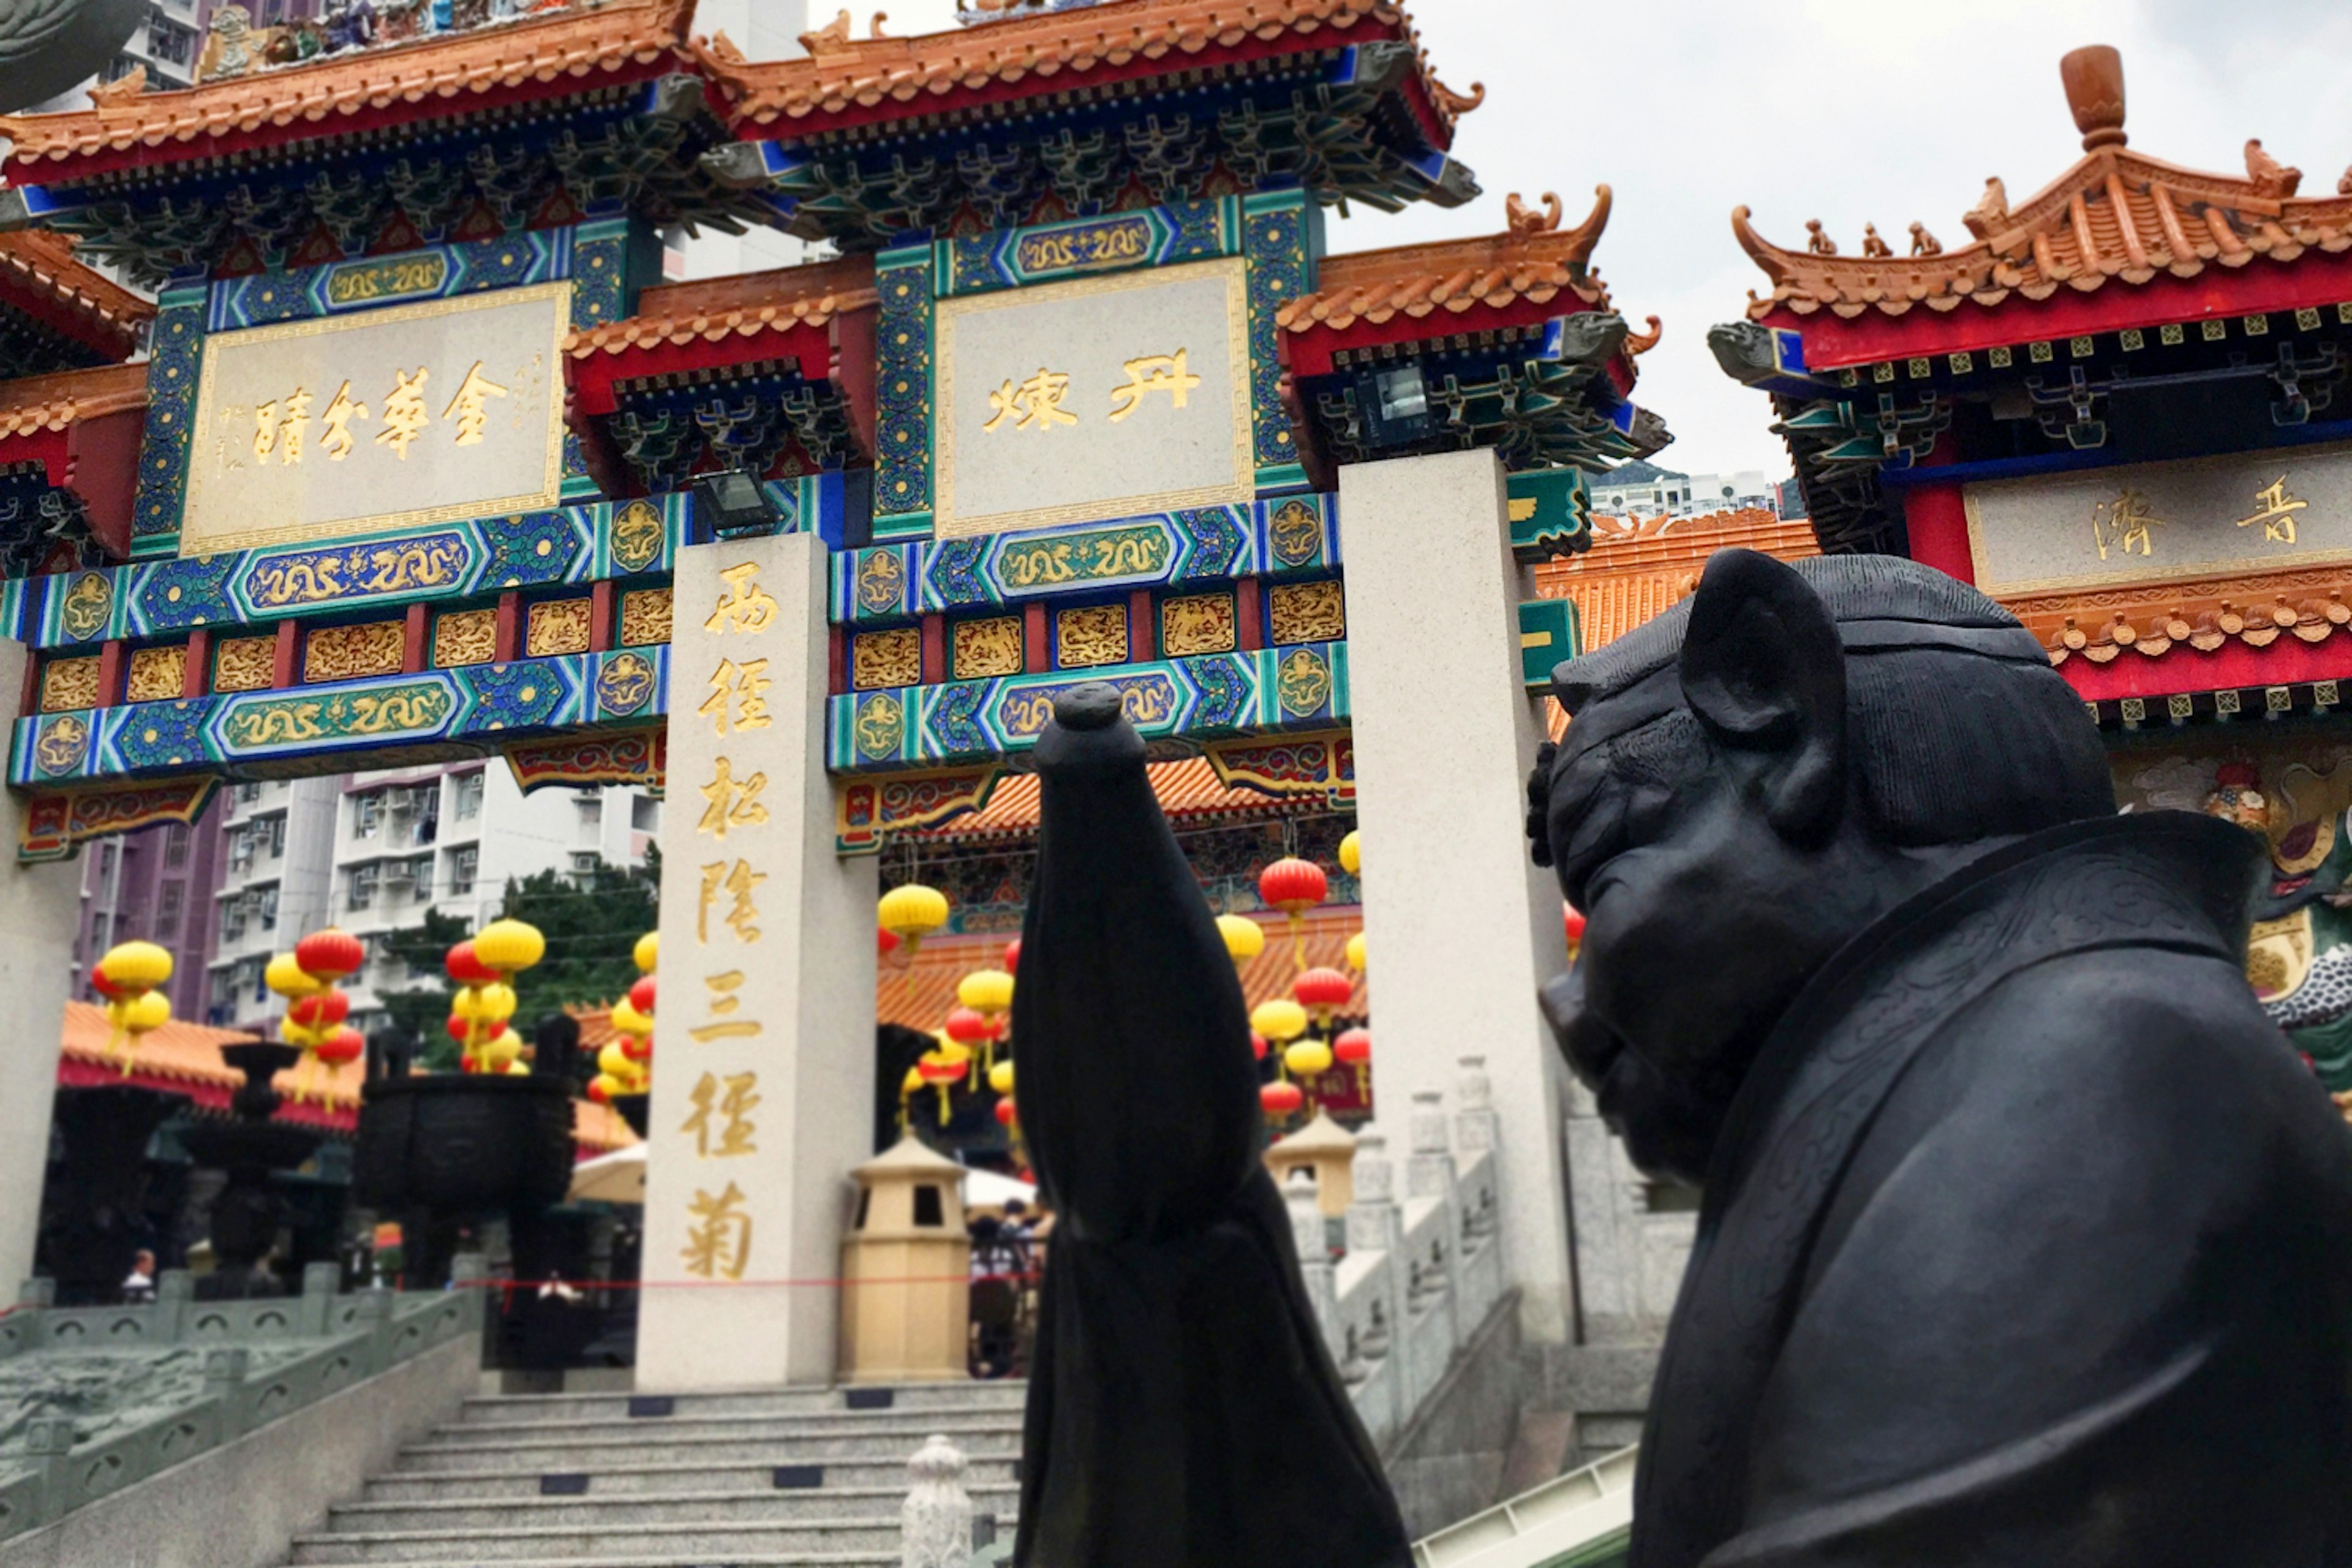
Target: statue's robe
x=2029 y=1241
x=1182 y=1410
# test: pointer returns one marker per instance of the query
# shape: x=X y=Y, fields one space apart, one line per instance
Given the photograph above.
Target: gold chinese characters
x=1036 y=404
x=281 y=426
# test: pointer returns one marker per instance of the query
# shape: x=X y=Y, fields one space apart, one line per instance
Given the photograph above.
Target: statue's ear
x=1763 y=669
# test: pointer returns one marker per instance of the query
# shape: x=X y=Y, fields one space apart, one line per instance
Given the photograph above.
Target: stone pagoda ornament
x=2025 y=1236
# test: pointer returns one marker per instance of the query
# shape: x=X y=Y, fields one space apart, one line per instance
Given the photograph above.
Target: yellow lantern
x=1000 y=1078
x=1244 y=938
x=986 y=991
x=136 y=966
x=493 y=1003
x=467 y=1003
x=1279 y=1019
x=1351 y=853
x=509 y=946
x=1356 y=952
x=611 y=1060
x=503 y=1053
x=629 y=1021
x=1307 y=1058
x=912 y=912
x=289 y=979
x=647 y=952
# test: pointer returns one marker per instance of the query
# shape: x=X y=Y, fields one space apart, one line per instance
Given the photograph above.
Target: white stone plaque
x=1099 y=398
x=2160 y=522
x=381 y=419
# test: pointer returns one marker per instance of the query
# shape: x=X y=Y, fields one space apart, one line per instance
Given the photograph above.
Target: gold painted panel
x=1090 y=635
x=245 y=664
x=157 y=675
x=465 y=637
x=68 y=683
x=987 y=647
x=1307 y=612
x=645 y=617
x=347 y=653
x=559 y=625
x=1050 y=401
x=379 y=420
x=1199 y=623
x=894 y=658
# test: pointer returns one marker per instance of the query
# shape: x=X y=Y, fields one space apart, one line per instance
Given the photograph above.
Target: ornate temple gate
x=432 y=467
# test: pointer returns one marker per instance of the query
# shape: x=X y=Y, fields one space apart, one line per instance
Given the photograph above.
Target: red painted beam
x=603 y=599
x=111 y=658
x=414 y=654
x=196 y=675
x=2312 y=279
x=2234 y=666
x=287 y=667
x=1141 y=640
x=1248 y=618
x=935 y=649
x=507 y=642
x=1036 y=657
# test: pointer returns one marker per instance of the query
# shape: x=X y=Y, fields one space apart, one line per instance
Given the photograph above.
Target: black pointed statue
x=2026 y=1238
x=1182 y=1410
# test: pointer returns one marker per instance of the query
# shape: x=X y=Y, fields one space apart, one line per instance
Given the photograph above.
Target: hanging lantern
x=1294 y=887
x=459 y=1029
x=647 y=952
x=637 y=1047
x=495 y=1003
x=1354 y=1049
x=641 y=995
x=1351 y=853
x=966 y=1028
x=465 y=968
x=509 y=946
x=1005 y=1112
x=343 y=1046
x=1013 y=956
x=1244 y=938
x=284 y=975
x=1280 y=1099
x=911 y=912
x=987 y=992
x=1258 y=1047
x=1306 y=1058
x=1356 y=952
x=330 y=954
x=102 y=985
x=600 y=1088
x=941 y=1069
x=136 y=966
x=132 y=969
x=1279 y=1019
x=627 y=1020
x=320 y=1009
x=887 y=942
x=1319 y=991
x=1000 y=1078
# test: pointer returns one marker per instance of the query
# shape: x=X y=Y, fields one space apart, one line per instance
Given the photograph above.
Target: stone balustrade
x=121 y=1392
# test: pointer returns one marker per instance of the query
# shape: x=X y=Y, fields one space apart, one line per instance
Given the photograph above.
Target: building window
x=362 y=887
x=367 y=814
x=463 y=865
x=267 y=911
x=645 y=813
x=168 y=905
x=246 y=794
x=469 y=796
x=175 y=844
x=276 y=831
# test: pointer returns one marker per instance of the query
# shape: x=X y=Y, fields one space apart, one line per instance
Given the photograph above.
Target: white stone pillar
x=763 y=1059
x=38 y=915
x=1462 y=930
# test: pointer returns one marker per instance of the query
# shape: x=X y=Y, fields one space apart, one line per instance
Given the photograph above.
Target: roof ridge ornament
x=2093 y=77
x=1525 y=219
x=2270 y=177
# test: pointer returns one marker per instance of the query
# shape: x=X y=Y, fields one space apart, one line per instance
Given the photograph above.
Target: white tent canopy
x=620 y=1178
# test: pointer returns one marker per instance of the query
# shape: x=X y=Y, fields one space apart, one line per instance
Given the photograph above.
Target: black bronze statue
x=1182 y=1410
x=2025 y=1237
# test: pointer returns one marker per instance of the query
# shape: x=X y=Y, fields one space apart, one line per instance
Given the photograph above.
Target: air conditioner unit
x=584 y=861
x=400 y=800
x=399 y=871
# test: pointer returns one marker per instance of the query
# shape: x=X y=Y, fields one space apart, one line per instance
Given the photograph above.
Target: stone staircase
x=755 y=1478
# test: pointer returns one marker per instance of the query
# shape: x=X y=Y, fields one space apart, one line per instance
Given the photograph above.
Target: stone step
x=912 y=1426
x=616 y=1475
x=509 y=1409
x=701 y=1543
x=603 y=1453
x=828 y=1505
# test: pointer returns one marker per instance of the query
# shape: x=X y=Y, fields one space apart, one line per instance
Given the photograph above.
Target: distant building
x=154 y=885
x=370 y=853
x=1644 y=490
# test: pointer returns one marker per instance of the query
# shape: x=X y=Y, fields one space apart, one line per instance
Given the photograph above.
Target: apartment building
x=1644 y=490
x=155 y=885
x=277 y=856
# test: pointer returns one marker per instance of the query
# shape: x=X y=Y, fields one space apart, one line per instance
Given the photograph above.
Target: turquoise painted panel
x=1039 y=253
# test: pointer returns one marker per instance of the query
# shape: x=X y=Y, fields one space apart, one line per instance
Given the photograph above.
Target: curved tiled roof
x=1639 y=568
x=36 y=403
x=39 y=267
x=444 y=69
x=718 y=309
x=1531 y=261
x=1058 y=51
x=1187 y=788
x=2102 y=626
x=2114 y=216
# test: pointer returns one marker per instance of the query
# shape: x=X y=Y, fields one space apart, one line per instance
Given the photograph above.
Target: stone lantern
x=913 y=1323
x=1324 y=1151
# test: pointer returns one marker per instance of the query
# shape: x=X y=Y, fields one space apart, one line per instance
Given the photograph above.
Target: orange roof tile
x=1189 y=789
x=39 y=265
x=53 y=402
x=1058 y=50
x=436 y=74
x=1637 y=569
x=715 y=310
x=1534 y=260
x=2114 y=214
x=183 y=1053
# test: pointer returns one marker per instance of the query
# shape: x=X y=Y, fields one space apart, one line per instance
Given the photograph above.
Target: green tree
x=423 y=1010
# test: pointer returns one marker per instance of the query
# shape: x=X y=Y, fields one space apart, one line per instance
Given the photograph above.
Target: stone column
x=1462 y=930
x=763 y=1060
x=39 y=913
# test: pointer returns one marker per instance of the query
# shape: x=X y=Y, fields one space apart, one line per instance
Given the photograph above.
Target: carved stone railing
x=118 y=1394
x=1417 y=1277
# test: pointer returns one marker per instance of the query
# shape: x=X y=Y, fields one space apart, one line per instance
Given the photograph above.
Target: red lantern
x=343 y=1045
x=320 y=1007
x=638 y=1048
x=1572 y=920
x=1320 y=990
x=597 y=1090
x=1281 y=1099
x=1353 y=1047
x=1005 y=1112
x=330 y=954
x=1013 y=956
x=466 y=969
x=1257 y=1044
x=1292 y=884
x=886 y=943
x=458 y=1028
x=102 y=986
x=966 y=1028
x=641 y=995
x=937 y=1071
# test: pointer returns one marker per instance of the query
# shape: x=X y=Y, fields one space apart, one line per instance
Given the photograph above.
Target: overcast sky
x=1847 y=110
